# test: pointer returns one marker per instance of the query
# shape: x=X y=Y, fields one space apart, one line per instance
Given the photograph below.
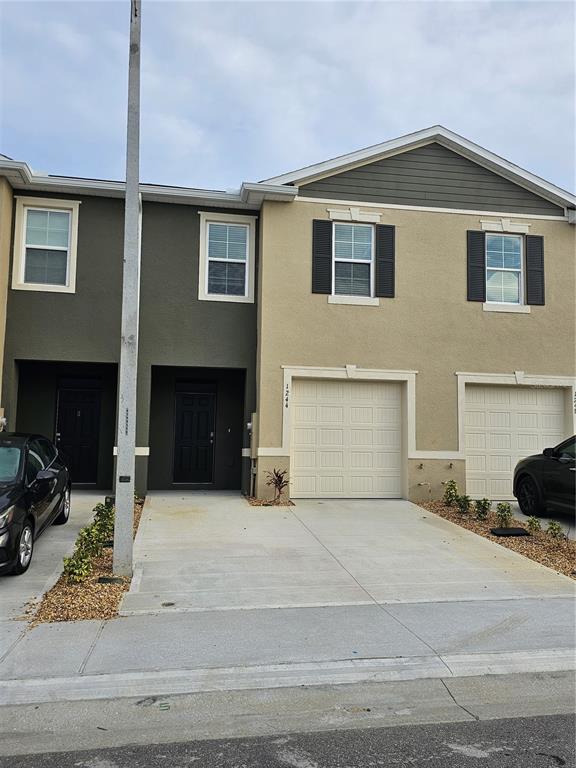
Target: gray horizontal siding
x=431 y=176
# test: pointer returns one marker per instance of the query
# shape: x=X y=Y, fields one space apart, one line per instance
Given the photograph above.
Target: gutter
x=250 y=195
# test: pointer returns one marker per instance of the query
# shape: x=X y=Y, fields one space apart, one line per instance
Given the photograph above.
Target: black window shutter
x=385 y=260
x=534 y=269
x=476 y=265
x=321 y=256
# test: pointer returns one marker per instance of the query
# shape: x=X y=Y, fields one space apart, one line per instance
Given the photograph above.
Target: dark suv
x=34 y=492
x=547 y=480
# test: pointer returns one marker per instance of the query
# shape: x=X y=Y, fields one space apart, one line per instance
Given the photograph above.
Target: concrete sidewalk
x=236 y=650
x=212 y=551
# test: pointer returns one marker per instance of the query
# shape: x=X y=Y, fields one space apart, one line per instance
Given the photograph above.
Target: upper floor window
x=353 y=259
x=45 y=245
x=227 y=254
x=504 y=261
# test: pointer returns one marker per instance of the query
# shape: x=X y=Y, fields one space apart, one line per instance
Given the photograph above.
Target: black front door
x=194 y=438
x=77 y=432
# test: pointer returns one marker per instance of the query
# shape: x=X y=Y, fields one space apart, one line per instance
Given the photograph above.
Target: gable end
x=430 y=176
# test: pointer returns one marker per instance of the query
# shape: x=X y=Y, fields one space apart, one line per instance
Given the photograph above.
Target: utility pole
x=125 y=464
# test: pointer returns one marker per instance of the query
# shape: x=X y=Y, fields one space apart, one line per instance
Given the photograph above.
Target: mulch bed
x=558 y=554
x=67 y=601
x=254 y=502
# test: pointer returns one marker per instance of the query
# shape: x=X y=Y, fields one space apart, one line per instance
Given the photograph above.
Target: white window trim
x=365 y=301
x=507 y=305
x=226 y=218
x=352 y=298
x=492 y=306
x=23 y=204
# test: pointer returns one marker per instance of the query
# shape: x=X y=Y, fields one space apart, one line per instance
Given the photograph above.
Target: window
x=227 y=252
x=33 y=465
x=567 y=449
x=504 y=283
x=9 y=462
x=45 y=450
x=45 y=245
x=227 y=257
x=353 y=259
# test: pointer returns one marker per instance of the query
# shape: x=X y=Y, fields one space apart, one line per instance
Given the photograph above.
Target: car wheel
x=25 y=549
x=64 y=513
x=529 y=498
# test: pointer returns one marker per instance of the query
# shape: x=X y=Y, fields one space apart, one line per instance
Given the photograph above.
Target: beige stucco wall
x=429 y=327
x=6 y=203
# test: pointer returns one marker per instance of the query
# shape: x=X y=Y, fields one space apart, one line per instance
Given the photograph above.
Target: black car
x=34 y=492
x=547 y=480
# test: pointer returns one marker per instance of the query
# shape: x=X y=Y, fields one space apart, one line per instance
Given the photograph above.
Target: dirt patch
x=88 y=599
x=558 y=554
x=254 y=502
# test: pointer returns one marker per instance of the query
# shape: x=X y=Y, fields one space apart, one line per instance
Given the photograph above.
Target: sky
x=243 y=91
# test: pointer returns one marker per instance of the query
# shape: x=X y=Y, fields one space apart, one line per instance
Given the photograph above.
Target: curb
x=186 y=681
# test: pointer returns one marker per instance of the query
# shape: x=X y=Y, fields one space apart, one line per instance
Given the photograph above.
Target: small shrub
x=104 y=522
x=503 y=514
x=555 y=530
x=533 y=524
x=463 y=503
x=78 y=567
x=89 y=541
x=277 y=479
x=451 y=493
x=482 y=508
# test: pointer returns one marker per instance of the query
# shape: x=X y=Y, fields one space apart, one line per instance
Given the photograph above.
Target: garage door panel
x=497 y=438
x=388 y=438
x=362 y=415
x=329 y=414
x=304 y=459
x=304 y=437
x=330 y=459
x=346 y=439
x=498 y=419
x=330 y=437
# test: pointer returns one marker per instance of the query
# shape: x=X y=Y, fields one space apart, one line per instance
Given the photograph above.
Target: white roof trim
x=436 y=133
x=250 y=194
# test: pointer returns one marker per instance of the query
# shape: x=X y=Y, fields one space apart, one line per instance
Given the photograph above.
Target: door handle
x=572 y=469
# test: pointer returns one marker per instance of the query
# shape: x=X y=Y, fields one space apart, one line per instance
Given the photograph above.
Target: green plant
x=463 y=503
x=77 y=567
x=482 y=508
x=504 y=514
x=451 y=493
x=555 y=530
x=89 y=541
x=277 y=479
x=533 y=524
x=104 y=522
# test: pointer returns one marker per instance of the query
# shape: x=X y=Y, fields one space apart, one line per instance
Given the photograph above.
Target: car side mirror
x=45 y=474
x=549 y=453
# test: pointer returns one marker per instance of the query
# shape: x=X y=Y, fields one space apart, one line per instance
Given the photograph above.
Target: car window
x=33 y=465
x=568 y=448
x=46 y=451
x=9 y=462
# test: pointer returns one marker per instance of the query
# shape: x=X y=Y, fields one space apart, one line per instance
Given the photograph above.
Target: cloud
x=247 y=90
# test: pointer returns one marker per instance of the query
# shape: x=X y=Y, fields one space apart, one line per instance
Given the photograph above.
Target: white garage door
x=503 y=425
x=346 y=439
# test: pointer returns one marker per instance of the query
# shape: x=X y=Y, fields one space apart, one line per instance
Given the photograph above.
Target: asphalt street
x=537 y=742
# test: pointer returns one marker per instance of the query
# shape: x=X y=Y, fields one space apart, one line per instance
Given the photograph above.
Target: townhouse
x=375 y=324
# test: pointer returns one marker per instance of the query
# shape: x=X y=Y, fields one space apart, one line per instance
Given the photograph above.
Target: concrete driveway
x=55 y=543
x=212 y=551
